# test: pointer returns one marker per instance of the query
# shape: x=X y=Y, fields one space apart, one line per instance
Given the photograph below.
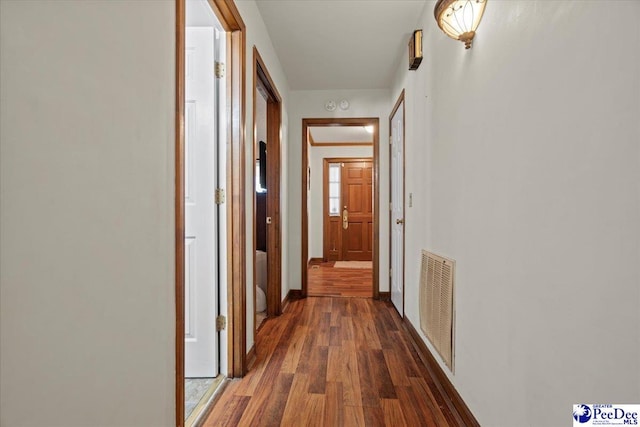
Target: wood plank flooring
x=323 y=279
x=334 y=362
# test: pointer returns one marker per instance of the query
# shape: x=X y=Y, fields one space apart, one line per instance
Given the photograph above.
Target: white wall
x=316 y=217
x=87 y=213
x=310 y=104
x=523 y=160
x=257 y=35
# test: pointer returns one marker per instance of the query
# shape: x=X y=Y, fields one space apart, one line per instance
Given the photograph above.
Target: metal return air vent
x=437 y=304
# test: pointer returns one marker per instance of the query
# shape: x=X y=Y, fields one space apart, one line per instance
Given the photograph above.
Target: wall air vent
x=437 y=310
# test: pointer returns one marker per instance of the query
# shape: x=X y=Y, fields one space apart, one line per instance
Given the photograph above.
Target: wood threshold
x=458 y=406
x=207 y=401
x=217 y=393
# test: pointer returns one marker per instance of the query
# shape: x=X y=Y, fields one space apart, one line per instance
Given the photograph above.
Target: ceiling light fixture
x=459 y=19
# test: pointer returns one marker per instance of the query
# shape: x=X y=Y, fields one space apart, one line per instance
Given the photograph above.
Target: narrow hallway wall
x=87 y=213
x=523 y=160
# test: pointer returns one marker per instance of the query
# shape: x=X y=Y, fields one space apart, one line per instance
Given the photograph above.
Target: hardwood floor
x=323 y=279
x=334 y=362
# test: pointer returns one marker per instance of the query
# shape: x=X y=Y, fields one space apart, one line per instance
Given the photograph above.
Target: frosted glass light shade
x=459 y=19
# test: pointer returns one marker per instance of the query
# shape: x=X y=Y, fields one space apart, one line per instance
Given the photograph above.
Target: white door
x=397 y=208
x=201 y=337
x=221 y=157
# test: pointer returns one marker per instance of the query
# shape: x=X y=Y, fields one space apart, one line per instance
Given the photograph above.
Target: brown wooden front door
x=348 y=234
x=357 y=211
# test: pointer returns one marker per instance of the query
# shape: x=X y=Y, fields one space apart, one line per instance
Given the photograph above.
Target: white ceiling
x=344 y=134
x=340 y=44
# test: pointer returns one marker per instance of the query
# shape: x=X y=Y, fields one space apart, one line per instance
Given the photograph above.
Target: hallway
x=334 y=362
x=520 y=164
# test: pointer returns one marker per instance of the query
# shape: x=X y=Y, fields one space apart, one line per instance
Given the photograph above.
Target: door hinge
x=390 y=139
x=390 y=206
x=391 y=272
x=220 y=196
x=221 y=323
x=219 y=69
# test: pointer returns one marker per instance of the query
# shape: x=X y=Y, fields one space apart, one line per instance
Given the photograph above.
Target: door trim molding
x=262 y=77
x=230 y=18
x=399 y=102
x=179 y=208
x=304 y=252
x=236 y=205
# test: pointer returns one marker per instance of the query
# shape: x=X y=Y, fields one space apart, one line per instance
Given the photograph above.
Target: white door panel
x=201 y=354
x=221 y=96
x=397 y=209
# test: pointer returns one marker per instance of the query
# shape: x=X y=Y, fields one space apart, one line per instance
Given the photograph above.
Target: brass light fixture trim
x=459 y=19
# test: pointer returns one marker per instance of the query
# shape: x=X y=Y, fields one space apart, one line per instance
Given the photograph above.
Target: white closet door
x=397 y=209
x=201 y=337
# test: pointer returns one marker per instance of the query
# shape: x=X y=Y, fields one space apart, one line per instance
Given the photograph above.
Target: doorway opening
x=209 y=291
x=204 y=215
x=346 y=267
x=340 y=205
x=267 y=258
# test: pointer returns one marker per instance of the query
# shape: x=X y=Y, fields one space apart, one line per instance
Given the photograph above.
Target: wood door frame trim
x=232 y=22
x=304 y=252
x=393 y=112
x=274 y=116
x=325 y=193
x=179 y=209
x=313 y=142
